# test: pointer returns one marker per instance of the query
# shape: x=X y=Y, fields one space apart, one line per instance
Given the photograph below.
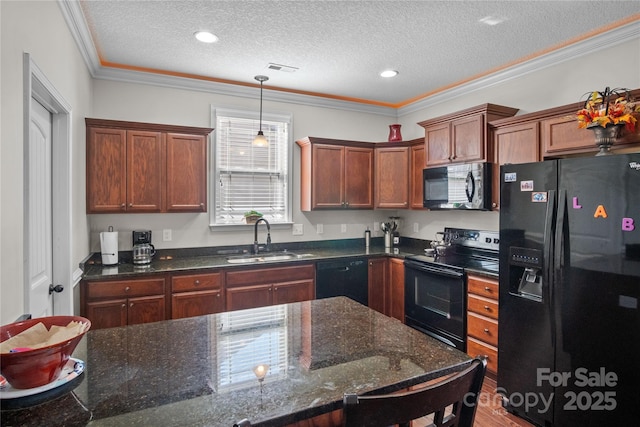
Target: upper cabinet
x=392 y=176
x=461 y=137
x=546 y=134
x=418 y=163
x=335 y=174
x=142 y=167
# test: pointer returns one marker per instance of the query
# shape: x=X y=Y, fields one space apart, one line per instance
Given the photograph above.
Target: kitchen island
x=199 y=371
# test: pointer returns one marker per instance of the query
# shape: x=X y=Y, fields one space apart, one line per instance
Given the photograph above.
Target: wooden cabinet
x=259 y=287
x=482 y=319
x=517 y=143
x=386 y=286
x=392 y=176
x=196 y=294
x=123 y=302
x=186 y=183
x=416 y=183
x=461 y=137
x=378 y=271
x=145 y=168
x=396 y=289
x=335 y=174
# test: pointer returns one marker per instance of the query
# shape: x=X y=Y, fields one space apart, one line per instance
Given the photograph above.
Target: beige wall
x=39 y=28
x=36 y=27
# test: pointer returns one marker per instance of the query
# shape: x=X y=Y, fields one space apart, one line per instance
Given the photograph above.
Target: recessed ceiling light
x=389 y=73
x=206 y=37
x=492 y=20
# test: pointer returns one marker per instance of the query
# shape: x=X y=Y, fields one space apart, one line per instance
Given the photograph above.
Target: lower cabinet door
x=146 y=309
x=288 y=292
x=107 y=314
x=248 y=297
x=199 y=303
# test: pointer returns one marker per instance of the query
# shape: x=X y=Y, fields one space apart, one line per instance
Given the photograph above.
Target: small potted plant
x=252 y=216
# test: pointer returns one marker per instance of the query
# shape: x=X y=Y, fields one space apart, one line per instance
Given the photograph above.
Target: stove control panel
x=480 y=239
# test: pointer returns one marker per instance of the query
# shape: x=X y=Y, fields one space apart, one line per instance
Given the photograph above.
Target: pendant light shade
x=260 y=140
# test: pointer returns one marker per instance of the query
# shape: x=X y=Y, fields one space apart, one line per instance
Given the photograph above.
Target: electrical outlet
x=297 y=230
x=343 y=228
x=416 y=227
x=376 y=226
x=319 y=228
x=166 y=235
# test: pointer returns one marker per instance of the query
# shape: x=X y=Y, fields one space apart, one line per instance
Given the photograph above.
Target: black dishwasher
x=349 y=278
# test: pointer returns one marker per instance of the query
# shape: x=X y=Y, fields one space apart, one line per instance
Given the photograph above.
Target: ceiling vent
x=283 y=68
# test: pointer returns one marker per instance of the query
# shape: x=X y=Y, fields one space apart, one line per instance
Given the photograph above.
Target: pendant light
x=260 y=140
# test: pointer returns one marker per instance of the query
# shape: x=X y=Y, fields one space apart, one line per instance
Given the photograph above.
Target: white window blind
x=249 y=338
x=248 y=177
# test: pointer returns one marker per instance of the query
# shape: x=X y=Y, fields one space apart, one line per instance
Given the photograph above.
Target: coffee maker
x=143 y=250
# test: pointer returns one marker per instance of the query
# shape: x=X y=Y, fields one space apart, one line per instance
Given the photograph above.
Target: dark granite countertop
x=174 y=260
x=198 y=371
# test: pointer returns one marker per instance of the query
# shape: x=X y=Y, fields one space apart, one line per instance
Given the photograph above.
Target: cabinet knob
x=346 y=204
x=494 y=205
x=130 y=205
x=131 y=305
x=202 y=205
x=486 y=307
x=196 y=282
x=122 y=206
x=486 y=331
x=218 y=294
x=127 y=289
x=488 y=289
x=123 y=305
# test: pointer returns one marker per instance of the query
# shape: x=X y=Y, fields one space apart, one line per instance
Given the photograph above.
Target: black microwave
x=464 y=186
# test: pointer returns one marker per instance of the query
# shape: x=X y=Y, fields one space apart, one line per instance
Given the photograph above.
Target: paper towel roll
x=109 y=247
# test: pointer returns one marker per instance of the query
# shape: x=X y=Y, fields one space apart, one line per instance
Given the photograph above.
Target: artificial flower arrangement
x=609 y=107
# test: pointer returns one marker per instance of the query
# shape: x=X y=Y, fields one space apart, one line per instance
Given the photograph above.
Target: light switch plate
x=416 y=227
x=319 y=228
x=298 y=230
x=343 y=228
x=376 y=226
x=166 y=235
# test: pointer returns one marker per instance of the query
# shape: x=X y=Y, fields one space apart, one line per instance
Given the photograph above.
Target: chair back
x=460 y=392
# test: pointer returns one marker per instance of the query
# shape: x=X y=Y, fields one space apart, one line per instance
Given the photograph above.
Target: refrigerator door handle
x=558 y=251
x=547 y=261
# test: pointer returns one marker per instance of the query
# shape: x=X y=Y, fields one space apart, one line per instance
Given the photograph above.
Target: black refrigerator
x=569 y=328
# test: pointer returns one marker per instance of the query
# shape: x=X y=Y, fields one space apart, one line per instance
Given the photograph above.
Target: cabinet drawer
x=270 y=275
x=484 y=287
x=478 y=348
x=484 y=306
x=125 y=288
x=196 y=282
x=482 y=328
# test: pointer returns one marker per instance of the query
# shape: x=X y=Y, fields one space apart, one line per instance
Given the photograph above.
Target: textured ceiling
x=340 y=47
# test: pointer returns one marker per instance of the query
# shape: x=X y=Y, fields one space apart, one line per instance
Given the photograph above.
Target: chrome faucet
x=256 y=248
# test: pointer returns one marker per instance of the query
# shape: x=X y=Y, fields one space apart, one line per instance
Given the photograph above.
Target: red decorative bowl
x=40 y=366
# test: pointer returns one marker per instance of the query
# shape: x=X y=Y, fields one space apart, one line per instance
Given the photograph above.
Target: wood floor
x=489 y=413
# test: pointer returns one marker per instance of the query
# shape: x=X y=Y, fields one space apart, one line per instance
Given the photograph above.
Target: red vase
x=394 y=133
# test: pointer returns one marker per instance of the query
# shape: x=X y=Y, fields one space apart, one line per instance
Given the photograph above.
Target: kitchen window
x=247 y=177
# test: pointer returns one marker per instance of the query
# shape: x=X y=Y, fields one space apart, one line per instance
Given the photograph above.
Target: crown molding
x=75 y=21
x=602 y=41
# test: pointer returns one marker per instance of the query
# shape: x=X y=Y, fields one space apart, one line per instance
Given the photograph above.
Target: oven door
x=435 y=301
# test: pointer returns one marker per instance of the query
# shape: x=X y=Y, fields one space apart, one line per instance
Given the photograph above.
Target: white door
x=39 y=261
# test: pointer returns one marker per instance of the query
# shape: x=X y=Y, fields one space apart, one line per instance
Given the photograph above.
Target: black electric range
x=470 y=250
x=436 y=287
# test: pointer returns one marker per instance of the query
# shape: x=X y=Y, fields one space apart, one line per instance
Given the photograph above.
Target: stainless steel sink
x=267 y=256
